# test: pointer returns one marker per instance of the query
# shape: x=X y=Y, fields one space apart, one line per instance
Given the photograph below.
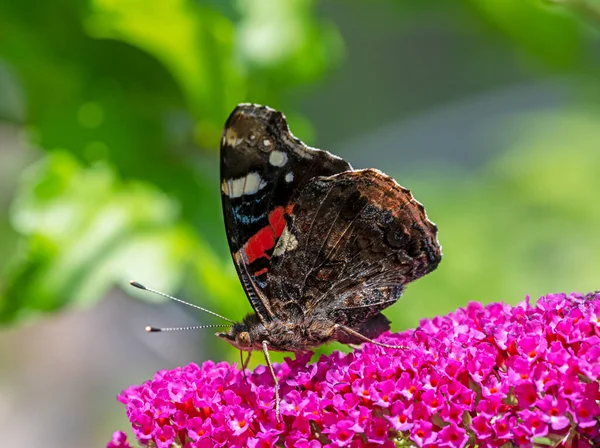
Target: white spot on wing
x=250 y=184
x=287 y=241
x=278 y=158
x=253 y=183
x=289 y=177
x=236 y=187
x=231 y=137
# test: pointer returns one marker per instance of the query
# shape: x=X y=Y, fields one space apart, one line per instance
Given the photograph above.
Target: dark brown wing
x=351 y=244
x=263 y=169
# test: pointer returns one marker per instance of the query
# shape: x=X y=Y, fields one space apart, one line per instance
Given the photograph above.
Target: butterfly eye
x=243 y=339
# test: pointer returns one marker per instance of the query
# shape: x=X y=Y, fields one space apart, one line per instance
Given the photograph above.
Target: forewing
x=350 y=245
x=263 y=168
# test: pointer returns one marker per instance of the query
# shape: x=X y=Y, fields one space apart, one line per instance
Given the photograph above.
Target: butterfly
x=320 y=248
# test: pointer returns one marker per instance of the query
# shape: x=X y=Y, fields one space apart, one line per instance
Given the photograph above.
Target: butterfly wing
x=263 y=169
x=352 y=242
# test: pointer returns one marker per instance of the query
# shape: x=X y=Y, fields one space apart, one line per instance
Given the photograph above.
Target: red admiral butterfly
x=321 y=249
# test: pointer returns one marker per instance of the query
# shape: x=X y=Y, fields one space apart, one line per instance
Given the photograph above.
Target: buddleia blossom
x=482 y=376
x=118 y=440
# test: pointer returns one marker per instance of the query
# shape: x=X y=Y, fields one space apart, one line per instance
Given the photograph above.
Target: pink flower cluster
x=481 y=376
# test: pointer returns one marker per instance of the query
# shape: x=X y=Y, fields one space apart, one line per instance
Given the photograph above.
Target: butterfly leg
x=356 y=334
x=244 y=364
x=265 y=346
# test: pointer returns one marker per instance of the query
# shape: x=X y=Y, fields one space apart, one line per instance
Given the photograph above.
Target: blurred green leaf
x=553 y=35
x=282 y=38
x=85 y=231
x=194 y=44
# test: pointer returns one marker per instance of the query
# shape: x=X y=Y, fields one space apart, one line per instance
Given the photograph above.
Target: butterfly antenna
x=140 y=286
x=150 y=329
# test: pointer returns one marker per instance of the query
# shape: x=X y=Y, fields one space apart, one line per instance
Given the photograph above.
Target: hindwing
x=354 y=240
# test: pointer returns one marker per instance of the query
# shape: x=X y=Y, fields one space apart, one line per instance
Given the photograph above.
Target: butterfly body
x=283 y=336
x=320 y=249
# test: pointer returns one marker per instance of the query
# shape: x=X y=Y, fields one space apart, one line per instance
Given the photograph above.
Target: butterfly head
x=238 y=336
x=246 y=335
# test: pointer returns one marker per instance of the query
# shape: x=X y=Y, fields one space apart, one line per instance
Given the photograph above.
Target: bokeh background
x=110 y=118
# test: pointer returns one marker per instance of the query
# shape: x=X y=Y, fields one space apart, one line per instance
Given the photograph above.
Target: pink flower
x=503 y=426
x=481 y=427
x=378 y=431
x=239 y=420
x=489 y=407
x=554 y=411
x=534 y=423
x=401 y=417
x=341 y=432
x=198 y=428
x=164 y=436
x=532 y=346
x=432 y=400
x=480 y=376
x=422 y=433
x=526 y=394
x=586 y=413
x=452 y=436
x=263 y=440
x=118 y=440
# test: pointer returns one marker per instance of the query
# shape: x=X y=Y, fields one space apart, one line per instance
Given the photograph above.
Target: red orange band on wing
x=264 y=240
x=261 y=272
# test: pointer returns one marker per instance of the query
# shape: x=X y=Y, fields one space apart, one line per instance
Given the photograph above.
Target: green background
x=110 y=117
